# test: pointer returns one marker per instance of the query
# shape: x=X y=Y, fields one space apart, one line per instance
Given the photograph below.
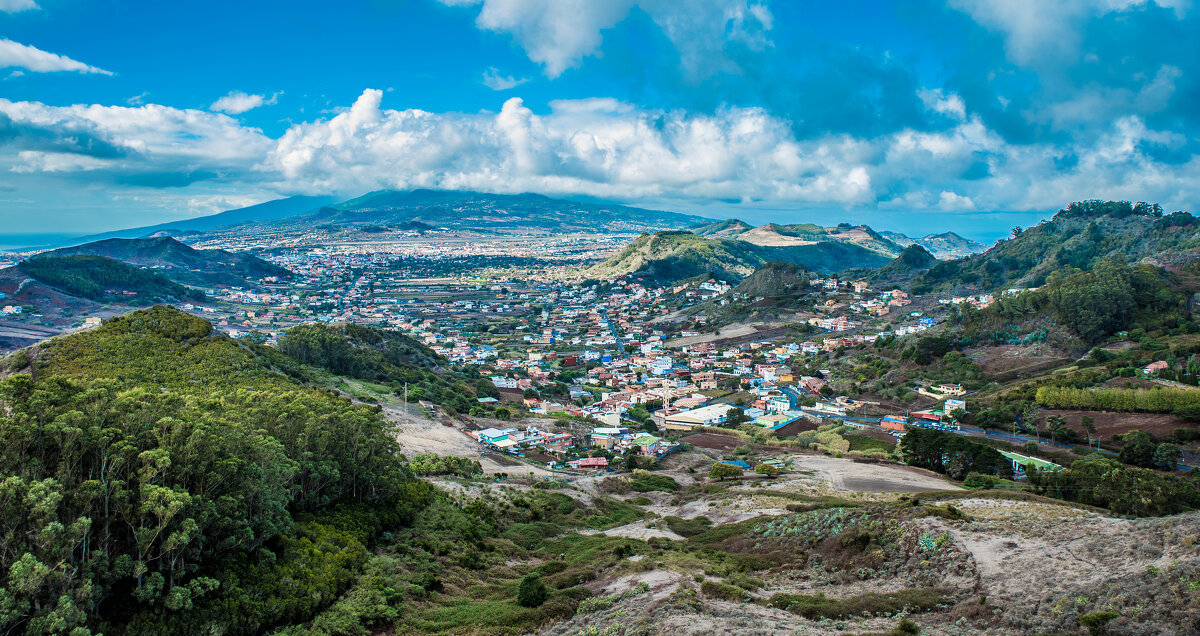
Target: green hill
x=160 y=478
x=667 y=257
x=911 y=263
x=180 y=262
x=1075 y=239
x=103 y=279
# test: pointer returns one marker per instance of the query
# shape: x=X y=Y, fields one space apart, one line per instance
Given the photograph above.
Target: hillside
x=726 y=229
x=278 y=208
x=180 y=262
x=482 y=211
x=944 y=246
x=773 y=280
x=668 y=257
x=1075 y=239
x=102 y=279
x=911 y=263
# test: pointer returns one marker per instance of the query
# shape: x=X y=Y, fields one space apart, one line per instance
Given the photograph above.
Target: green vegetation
x=189 y=486
x=817 y=606
x=1101 y=481
x=385 y=356
x=644 y=481
x=100 y=279
x=952 y=455
x=1091 y=305
x=724 y=471
x=430 y=464
x=1158 y=400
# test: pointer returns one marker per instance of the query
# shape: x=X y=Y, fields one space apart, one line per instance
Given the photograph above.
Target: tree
x=736 y=418
x=1089 y=425
x=767 y=470
x=532 y=591
x=1166 y=456
x=1138 y=449
x=631 y=460
x=1054 y=426
x=722 y=471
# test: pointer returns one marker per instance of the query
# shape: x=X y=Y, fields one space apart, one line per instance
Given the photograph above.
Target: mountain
x=725 y=229
x=490 y=212
x=1075 y=239
x=912 y=262
x=180 y=262
x=262 y=212
x=777 y=235
x=667 y=257
x=774 y=280
x=944 y=246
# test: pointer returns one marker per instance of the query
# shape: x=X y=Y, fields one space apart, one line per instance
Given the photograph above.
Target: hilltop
x=180 y=262
x=944 y=246
x=667 y=257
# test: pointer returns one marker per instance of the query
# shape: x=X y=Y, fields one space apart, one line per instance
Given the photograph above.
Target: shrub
x=532 y=591
x=766 y=469
x=818 y=606
x=724 y=471
x=1096 y=621
x=979 y=480
x=723 y=591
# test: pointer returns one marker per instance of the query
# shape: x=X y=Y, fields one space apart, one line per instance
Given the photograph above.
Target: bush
x=1096 y=621
x=723 y=591
x=532 y=591
x=817 y=606
x=766 y=469
x=979 y=480
x=724 y=471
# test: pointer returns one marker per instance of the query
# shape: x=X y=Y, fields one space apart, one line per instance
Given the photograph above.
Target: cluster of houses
x=560 y=450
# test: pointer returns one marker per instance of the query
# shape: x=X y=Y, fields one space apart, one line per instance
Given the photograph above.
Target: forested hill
x=1075 y=239
x=180 y=262
x=386 y=357
x=160 y=478
x=103 y=279
x=1082 y=310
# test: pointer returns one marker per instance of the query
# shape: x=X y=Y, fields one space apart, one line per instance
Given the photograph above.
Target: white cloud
x=15 y=54
x=1038 y=32
x=237 y=102
x=559 y=34
x=497 y=82
x=17 y=6
x=600 y=147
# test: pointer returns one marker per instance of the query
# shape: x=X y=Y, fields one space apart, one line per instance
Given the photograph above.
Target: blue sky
x=970 y=115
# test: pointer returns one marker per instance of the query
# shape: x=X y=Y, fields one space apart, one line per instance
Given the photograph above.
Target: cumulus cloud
x=559 y=34
x=16 y=6
x=599 y=147
x=237 y=102
x=493 y=79
x=15 y=54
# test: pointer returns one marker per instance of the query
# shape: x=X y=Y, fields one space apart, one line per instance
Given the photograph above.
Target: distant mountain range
x=419 y=210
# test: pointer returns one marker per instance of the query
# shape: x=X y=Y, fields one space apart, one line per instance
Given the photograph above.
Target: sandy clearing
x=850 y=476
x=418 y=434
x=636 y=530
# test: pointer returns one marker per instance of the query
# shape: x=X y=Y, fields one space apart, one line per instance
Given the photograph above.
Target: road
x=612 y=327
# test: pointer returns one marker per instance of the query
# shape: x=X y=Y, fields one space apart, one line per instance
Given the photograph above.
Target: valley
x=609 y=433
